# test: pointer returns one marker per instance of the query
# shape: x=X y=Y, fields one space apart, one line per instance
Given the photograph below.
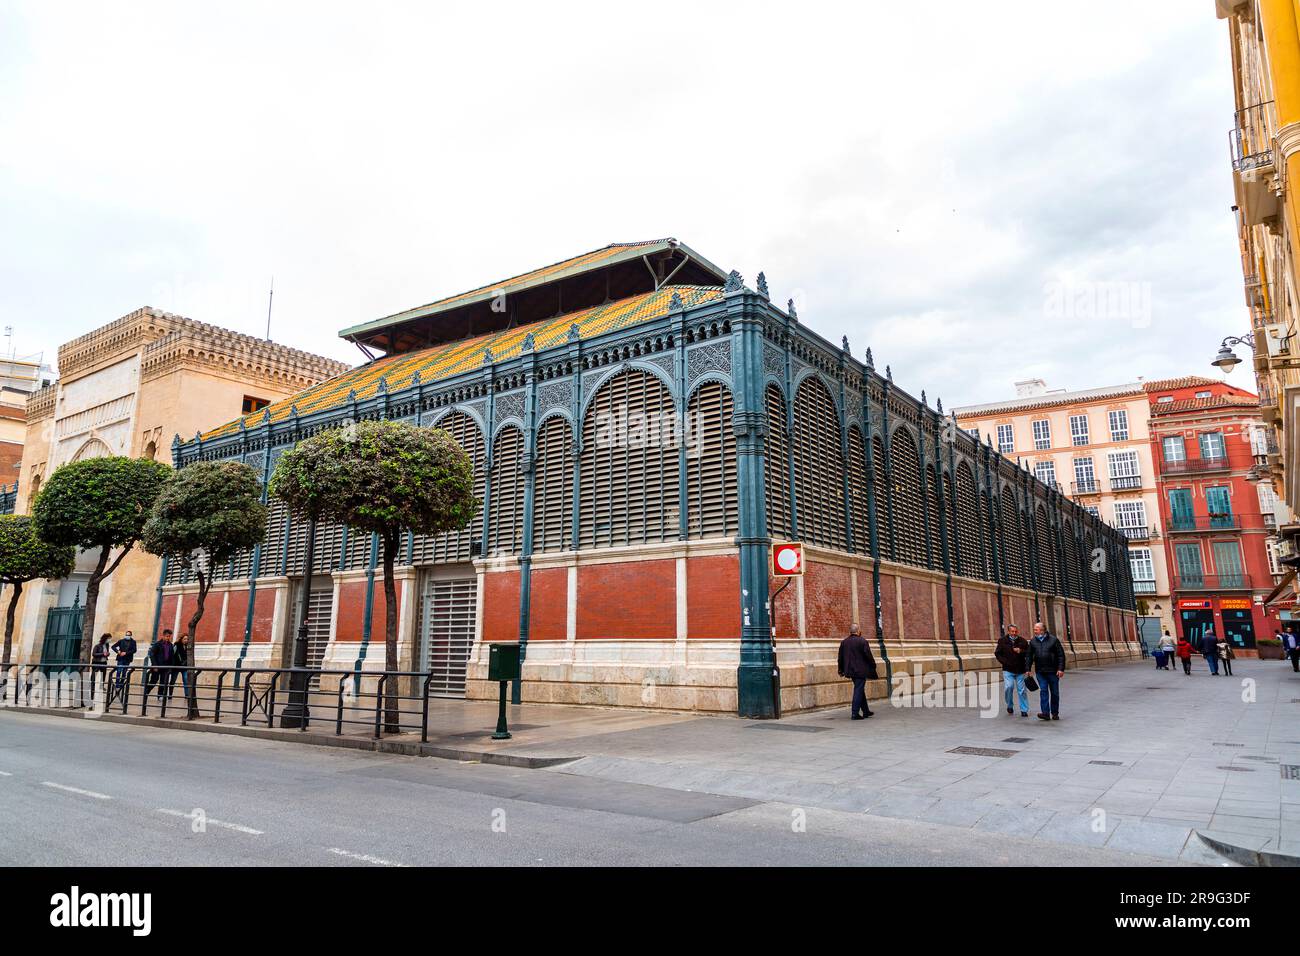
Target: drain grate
x=1290 y=771
x=1239 y=769
x=1016 y=740
x=797 y=728
x=1107 y=763
x=983 y=751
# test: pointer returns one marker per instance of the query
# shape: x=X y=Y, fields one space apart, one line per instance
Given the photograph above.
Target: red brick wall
x=627 y=601
x=713 y=597
x=828 y=601
x=918 y=611
x=501 y=606
x=785 y=609
x=263 y=615
x=888 y=606
x=209 y=629
x=980 y=628
x=168 y=615
x=548 y=604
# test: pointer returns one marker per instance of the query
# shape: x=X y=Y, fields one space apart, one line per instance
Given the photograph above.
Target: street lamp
x=1227 y=359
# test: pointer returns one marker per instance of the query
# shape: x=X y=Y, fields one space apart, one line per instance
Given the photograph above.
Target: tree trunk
x=392 y=718
x=192 y=694
x=9 y=623
x=92 y=598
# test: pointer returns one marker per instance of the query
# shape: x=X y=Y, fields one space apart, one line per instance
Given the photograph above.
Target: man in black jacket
x=858 y=665
x=1047 y=658
x=1013 y=654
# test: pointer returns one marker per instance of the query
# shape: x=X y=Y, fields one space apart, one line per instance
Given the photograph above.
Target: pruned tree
x=388 y=478
x=98 y=503
x=205 y=516
x=25 y=556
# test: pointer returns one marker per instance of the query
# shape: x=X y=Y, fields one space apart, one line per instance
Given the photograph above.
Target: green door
x=1180 y=509
x=62 y=638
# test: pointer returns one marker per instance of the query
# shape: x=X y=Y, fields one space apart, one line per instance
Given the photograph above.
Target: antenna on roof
x=269 y=300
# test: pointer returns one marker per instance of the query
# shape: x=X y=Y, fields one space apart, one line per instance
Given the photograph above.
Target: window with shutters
x=711 y=464
x=273 y=544
x=909 y=524
x=454 y=546
x=968 y=524
x=818 y=466
x=630 y=477
x=1046 y=550
x=506 y=507
x=884 y=528
x=858 y=491
x=553 y=510
x=329 y=547
x=1010 y=540
x=778 y=467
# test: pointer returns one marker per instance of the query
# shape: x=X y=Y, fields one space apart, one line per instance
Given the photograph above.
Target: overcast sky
x=981 y=192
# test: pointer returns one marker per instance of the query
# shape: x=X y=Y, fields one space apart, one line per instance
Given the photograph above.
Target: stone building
x=126 y=389
x=643 y=427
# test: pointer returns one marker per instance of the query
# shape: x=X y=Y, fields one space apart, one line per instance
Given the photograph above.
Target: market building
x=125 y=389
x=643 y=426
x=1219 y=518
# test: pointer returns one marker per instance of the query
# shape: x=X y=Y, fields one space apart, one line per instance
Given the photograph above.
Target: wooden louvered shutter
x=1046 y=553
x=933 y=540
x=454 y=546
x=818 y=466
x=273 y=543
x=908 y=519
x=777 y=479
x=358 y=550
x=297 y=553
x=1011 y=539
x=711 y=463
x=858 y=491
x=968 y=524
x=883 y=494
x=950 y=517
x=553 y=511
x=630 y=477
x=329 y=547
x=507 y=505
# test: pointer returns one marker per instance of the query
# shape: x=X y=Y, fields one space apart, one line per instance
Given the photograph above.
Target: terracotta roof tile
x=1200 y=404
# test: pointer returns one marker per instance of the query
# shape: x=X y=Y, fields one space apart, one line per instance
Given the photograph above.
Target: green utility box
x=503 y=662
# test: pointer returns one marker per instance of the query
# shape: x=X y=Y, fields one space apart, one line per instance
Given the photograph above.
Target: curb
x=406 y=748
x=1245 y=855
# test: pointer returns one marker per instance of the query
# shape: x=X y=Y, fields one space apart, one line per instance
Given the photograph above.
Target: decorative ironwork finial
x=266 y=416
x=923 y=401
x=529 y=343
x=352 y=395
x=794 y=313
x=844 y=344
x=762 y=285
x=176 y=440
x=889 y=373
x=734 y=282
x=938 y=405
x=382 y=387
x=871 y=359
x=675 y=304
x=293 y=409
x=415 y=379
x=487 y=356
x=574 y=332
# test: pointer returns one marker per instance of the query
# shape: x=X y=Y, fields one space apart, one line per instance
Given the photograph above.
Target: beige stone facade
x=128 y=388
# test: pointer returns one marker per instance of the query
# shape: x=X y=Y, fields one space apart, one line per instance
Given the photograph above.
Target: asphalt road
x=86 y=793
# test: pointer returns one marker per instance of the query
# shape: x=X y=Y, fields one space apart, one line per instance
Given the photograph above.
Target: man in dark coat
x=1210 y=648
x=858 y=665
x=161 y=658
x=1047 y=658
x=1013 y=654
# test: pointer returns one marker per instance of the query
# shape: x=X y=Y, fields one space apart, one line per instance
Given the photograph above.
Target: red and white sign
x=787 y=560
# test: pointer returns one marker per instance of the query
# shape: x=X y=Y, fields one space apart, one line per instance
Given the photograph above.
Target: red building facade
x=1216 y=532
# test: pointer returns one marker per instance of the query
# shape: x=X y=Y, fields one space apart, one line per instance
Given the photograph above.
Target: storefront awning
x=1283 y=585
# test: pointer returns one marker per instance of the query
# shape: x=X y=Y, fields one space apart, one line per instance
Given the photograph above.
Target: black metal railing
x=1142 y=533
x=1141 y=586
x=1250 y=140
x=1125 y=482
x=374 y=703
x=1214 y=522
x=1085 y=486
x=1212 y=582
x=1196 y=465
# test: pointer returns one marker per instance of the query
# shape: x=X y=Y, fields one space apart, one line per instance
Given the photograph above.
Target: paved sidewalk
x=1140 y=759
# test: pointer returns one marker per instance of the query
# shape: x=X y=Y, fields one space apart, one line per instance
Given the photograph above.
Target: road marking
x=210 y=821
x=77 y=790
x=5 y=773
x=364 y=858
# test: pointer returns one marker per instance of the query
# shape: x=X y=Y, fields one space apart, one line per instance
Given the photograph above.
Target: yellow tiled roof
x=452 y=358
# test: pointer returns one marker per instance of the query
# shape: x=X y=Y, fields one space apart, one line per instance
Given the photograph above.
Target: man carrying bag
x=1047 y=658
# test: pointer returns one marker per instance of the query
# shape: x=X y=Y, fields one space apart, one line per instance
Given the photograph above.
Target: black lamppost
x=296 y=713
x=1227 y=359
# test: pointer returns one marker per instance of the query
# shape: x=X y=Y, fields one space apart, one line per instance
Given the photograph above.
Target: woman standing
x=1226 y=655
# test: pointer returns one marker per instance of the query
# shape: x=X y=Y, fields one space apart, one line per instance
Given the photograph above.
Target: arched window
x=553 y=512
x=884 y=529
x=778 y=467
x=630 y=476
x=711 y=463
x=858 y=491
x=1010 y=539
x=818 y=466
x=151 y=451
x=506 y=507
x=968 y=524
x=1046 y=550
x=909 y=523
x=454 y=546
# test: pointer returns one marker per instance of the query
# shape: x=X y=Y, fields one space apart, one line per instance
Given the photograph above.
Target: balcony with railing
x=1085 y=486
x=1143 y=533
x=1126 y=483
x=1250 y=140
x=1182 y=524
x=1196 y=466
x=1212 y=582
x=1143 y=587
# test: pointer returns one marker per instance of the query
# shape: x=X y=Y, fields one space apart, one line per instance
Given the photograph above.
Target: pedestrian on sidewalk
x=125 y=650
x=1210 y=649
x=182 y=660
x=1047 y=658
x=1226 y=654
x=1185 y=655
x=1166 y=647
x=1013 y=654
x=159 y=661
x=1291 y=645
x=857 y=663
x=99 y=662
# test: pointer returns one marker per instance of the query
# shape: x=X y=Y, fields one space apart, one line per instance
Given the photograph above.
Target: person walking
x=1013 y=654
x=1210 y=649
x=1184 y=652
x=160 y=659
x=125 y=649
x=857 y=663
x=99 y=663
x=1291 y=646
x=1166 y=647
x=1047 y=658
x=1226 y=654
